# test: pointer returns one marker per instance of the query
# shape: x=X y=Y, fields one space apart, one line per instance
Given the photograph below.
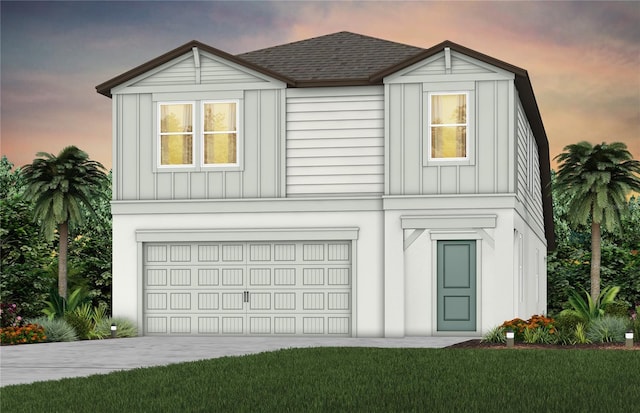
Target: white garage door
x=248 y=288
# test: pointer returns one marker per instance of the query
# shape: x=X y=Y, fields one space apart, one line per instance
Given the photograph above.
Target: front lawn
x=355 y=379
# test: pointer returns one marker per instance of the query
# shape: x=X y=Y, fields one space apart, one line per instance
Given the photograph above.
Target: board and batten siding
x=335 y=139
x=489 y=169
x=138 y=177
x=529 y=187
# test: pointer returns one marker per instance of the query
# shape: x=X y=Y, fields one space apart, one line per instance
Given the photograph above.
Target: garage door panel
x=156 y=325
x=233 y=301
x=284 y=301
x=233 y=253
x=208 y=301
x=180 y=253
x=233 y=325
x=208 y=325
x=260 y=325
x=284 y=252
x=208 y=253
x=260 y=252
x=339 y=276
x=260 y=277
x=156 y=301
x=156 y=277
x=260 y=301
x=180 y=325
x=284 y=276
x=284 y=325
x=180 y=277
x=208 y=277
x=233 y=277
x=181 y=301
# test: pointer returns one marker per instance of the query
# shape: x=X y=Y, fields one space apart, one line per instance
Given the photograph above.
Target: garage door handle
x=246 y=296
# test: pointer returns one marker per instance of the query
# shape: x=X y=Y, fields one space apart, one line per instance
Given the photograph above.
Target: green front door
x=456 y=286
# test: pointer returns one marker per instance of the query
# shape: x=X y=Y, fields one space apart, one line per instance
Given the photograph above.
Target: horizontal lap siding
x=529 y=185
x=335 y=141
x=180 y=73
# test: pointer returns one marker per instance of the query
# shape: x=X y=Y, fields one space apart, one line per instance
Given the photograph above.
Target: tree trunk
x=63 y=232
x=595 y=260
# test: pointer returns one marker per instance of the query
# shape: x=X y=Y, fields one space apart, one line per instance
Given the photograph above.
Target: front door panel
x=456 y=285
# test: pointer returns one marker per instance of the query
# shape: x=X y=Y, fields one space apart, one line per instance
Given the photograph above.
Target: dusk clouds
x=583 y=57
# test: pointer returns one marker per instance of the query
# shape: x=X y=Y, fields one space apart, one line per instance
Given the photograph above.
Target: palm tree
x=59 y=187
x=597 y=180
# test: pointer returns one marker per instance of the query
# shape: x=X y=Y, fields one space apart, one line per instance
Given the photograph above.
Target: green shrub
x=125 y=328
x=607 y=329
x=566 y=323
x=540 y=335
x=588 y=309
x=58 y=306
x=56 y=330
x=617 y=309
x=495 y=335
x=80 y=324
x=568 y=320
x=85 y=318
x=580 y=334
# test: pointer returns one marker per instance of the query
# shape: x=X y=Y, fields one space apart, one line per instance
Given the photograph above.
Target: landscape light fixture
x=629 y=338
x=114 y=330
x=510 y=338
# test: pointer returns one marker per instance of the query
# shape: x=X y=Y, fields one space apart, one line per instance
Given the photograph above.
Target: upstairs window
x=220 y=133
x=176 y=134
x=448 y=125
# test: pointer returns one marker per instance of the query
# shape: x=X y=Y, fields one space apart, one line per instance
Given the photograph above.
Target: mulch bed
x=497 y=346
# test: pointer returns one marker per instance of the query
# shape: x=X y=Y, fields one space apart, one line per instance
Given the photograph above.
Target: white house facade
x=341 y=186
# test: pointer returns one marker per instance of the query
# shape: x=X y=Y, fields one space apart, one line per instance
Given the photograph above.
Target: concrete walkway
x=29 y=363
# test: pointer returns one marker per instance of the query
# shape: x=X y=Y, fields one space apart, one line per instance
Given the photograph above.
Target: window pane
x=449 y=142
x=219 y=117
x=176 y=150
x=448 y=109
x=176 y=118
x=220 y=148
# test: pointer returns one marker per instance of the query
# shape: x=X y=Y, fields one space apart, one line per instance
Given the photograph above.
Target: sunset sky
x=583 y=58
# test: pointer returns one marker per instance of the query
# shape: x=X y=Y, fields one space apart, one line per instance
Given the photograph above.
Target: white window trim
x=197 y=140
x=158 y=135
x=466 y=125
x=238 y=132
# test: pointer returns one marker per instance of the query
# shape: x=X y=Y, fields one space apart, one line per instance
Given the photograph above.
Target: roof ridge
x=315 y=38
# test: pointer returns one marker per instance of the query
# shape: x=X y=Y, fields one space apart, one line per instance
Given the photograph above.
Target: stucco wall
x=367 y=287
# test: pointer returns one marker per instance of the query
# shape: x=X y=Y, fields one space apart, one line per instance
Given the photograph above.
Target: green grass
x=355 y=380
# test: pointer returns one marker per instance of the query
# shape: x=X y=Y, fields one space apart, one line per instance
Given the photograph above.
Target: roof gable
x=179 y=54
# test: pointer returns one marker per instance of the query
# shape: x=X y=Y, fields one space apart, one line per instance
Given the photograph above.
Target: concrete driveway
x=29 y=363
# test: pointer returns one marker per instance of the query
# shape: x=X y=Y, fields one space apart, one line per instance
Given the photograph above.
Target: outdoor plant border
x=27 y=334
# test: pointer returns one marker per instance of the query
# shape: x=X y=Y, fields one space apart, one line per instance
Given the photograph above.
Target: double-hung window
x=198 y=134
x=220 y=133
x=176 y=134
x=448 y=126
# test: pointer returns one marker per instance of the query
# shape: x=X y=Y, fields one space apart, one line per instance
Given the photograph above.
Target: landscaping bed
x=479 y=344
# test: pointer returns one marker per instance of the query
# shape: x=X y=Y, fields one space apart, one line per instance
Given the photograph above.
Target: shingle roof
x=343 y=56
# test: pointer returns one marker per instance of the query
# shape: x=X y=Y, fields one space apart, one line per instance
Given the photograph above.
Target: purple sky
x=583 y=58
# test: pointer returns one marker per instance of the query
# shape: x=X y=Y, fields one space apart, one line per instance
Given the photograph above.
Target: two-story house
x=341 y=185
